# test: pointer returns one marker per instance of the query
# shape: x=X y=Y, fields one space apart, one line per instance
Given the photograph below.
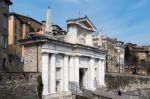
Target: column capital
x=44 y=53
x=53 y=53
x=76 y=55
x=101 y=59
x=66 y=55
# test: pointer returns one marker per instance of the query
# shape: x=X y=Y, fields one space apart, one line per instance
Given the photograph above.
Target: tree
x=127 y=56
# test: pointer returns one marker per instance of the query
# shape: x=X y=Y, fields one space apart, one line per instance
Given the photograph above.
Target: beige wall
x=30 y=57
x=15 y=33
x=19 y=30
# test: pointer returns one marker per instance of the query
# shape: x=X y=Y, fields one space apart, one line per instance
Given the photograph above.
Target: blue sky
x=127 y=20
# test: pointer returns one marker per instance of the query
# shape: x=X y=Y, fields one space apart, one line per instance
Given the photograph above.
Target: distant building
x=19 y=28
x=135 y=55
x=147 y=48
x=4 y=15
x=97 y=40
x=111 y=58
x=56 y=30
x=68 y=61
x=120 y=55
x=115 y=52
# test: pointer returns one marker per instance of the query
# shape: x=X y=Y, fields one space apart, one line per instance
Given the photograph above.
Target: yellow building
x=19 y=28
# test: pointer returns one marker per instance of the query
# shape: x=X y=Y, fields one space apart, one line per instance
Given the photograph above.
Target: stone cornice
x=80 y=25
x=35 y=40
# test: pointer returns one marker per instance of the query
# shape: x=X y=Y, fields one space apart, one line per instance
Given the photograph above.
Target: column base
x=92 y=89
x=100 y=86
x=45 y=94
x=66 y=93
x=49 y=96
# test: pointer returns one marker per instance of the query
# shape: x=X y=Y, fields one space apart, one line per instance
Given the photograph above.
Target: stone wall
x=130 y=85
x=32 y=58
x=20 y=86
x=126 y=82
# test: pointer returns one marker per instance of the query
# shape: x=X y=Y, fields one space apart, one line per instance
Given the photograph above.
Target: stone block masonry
x=20 y=86
x=131 y=85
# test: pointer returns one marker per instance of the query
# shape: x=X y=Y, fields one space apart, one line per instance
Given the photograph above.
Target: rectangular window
x=15 y=27
x=5 y=5
x=15 y=40
x=4 y=42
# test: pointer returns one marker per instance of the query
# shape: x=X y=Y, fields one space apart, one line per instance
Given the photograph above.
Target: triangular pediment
x=84 y=22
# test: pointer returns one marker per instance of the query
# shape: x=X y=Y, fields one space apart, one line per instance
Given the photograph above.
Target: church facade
x=66 y=60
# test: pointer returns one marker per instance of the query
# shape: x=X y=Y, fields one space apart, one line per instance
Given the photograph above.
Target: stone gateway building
x=65 y=61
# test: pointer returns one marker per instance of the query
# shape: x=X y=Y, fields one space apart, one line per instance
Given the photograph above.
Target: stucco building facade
x=19 y=28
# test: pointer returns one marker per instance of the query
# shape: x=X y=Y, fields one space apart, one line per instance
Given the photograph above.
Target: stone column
x=92 y=74
x=45 y=63
x=103 y=73
x=65 y=74
x=71 y=69
x=53 y=74
x=76 y=69
x=99 y=70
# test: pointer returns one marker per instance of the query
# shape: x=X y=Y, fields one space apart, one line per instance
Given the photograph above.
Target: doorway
x=81 y=76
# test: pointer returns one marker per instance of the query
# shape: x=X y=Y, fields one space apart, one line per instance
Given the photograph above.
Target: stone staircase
x=88 y=94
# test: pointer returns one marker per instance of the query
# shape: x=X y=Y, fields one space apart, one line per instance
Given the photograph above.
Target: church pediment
x=83 y=22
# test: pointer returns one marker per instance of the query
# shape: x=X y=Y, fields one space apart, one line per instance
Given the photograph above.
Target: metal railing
x=74 y=88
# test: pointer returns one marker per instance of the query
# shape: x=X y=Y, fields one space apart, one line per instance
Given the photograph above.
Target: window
x=15 y=40
x=82 y=38
x=5 y=5
x=15 y=27
x=103 y=44
x=4 y=42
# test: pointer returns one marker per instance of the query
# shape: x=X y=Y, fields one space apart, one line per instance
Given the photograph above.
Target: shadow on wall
x=15 y=64
x=21 y=86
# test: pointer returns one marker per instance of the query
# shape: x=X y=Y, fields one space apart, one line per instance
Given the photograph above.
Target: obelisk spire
x=48 y=27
